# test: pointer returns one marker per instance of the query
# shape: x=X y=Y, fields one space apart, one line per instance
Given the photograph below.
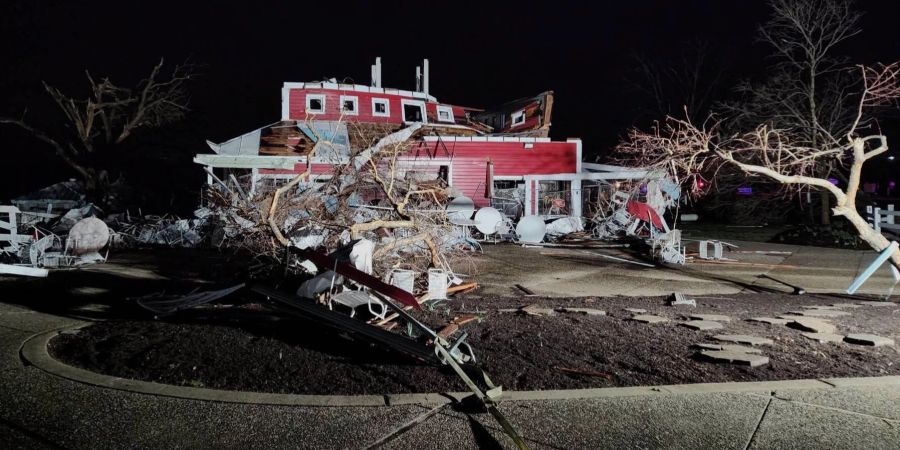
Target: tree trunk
x=868 y=234
x=825 y=205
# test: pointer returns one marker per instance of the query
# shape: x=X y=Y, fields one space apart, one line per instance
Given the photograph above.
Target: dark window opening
x=349 y=105
x=412 y=113
x=315 y=104
x=380 y=108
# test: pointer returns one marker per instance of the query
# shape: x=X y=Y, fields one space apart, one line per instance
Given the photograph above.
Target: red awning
x=644 y=212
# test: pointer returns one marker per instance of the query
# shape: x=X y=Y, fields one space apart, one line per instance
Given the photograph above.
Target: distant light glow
x=891 y=158
x=833 y=181
x=745 y=190
x=892 y=184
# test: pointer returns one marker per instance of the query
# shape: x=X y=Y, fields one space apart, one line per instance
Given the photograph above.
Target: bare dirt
x=252 y=350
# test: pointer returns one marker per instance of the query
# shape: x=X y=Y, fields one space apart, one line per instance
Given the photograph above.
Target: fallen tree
x=692 y=151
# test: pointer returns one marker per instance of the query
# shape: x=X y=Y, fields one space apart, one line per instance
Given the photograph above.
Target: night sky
x=481 y=54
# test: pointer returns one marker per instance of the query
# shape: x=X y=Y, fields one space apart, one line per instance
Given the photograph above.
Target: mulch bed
x=262 y=352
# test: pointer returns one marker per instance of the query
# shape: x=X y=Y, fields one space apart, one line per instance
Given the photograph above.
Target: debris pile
x=56 y=229
x=396 y=223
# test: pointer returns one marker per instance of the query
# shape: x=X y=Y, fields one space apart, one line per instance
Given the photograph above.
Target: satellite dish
x=460 y=209
x=531 y=229
x=88 y=235
x=488 y=220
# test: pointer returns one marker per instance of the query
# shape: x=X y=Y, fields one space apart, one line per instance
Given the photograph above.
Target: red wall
x=469 y=162
x=297 y=106
x=510 y=159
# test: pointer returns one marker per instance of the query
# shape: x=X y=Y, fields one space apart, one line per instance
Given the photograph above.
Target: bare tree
x=98 y=125
x=809 y=92
x=689 y=150
x=688 y=81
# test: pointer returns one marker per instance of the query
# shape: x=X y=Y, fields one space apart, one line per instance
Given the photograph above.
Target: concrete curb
x=34 y=351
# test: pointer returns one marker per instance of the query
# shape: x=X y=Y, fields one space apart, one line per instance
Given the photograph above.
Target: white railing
x=883 y=218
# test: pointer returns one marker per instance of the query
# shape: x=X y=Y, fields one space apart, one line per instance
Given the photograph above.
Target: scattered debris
x=812 y=325
x=525 y=289
x=585 y=311
x=9 y=269
x=845 y=305
x=869 y=339
x=743 y=339
x=728 y=348
x=162 y=305
x=769 y=320
x=819 y=313
x=702 y=325
x=649 y=318
x=636 y=310
x=737 y=358
x=677 y=299
x=824 y=337
x=713 y=317
x=535 y=310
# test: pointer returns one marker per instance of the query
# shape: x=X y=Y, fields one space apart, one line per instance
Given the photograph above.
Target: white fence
x=9 y=237
x=883 y=218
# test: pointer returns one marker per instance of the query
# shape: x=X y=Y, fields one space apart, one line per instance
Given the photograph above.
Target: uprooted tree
x=97 y=126
x=691 y=151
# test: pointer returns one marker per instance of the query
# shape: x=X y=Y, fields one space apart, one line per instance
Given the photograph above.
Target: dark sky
x=481 y=53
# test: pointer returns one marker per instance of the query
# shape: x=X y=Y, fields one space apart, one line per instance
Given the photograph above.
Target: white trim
x=625 y=175
x=575 y=198
x=529 y=181
x=320 y=97
x=578 y=163
x=387 y=107
x=285 y=103
x=509 y=177
x=406 y=102
x=446 y=109
x=529 y=140
x=357 y=88
x=248 y=161
x=512 y=118
x=350 y=98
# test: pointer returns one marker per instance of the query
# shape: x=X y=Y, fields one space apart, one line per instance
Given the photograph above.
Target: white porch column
x=575 y=210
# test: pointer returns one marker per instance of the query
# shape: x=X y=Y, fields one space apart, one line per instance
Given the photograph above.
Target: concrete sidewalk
x=567 y=272
x=39 y=410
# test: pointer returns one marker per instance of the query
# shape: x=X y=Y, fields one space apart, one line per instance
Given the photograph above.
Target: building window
x=381 y=107
x=349 y=105
x=445 y=113
x=518 y=118
x=413 y=110
x=315 y=103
